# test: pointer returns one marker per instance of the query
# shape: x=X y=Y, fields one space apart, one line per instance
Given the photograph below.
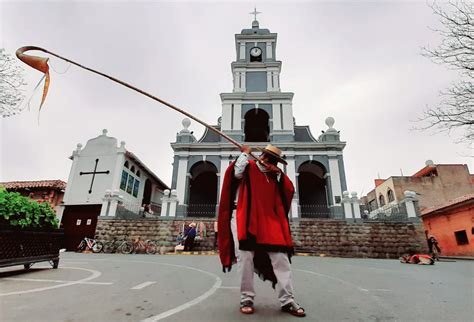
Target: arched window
x=138 y=173
x=381 y=201
x=126 y=164
x=132 y=169
x=390 y=195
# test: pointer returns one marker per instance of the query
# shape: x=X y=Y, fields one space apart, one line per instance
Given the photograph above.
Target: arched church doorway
x=312 y=190
x=257 y=128
x=202 y=190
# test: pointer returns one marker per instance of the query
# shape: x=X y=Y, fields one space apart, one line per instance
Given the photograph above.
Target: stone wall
x=327 y=237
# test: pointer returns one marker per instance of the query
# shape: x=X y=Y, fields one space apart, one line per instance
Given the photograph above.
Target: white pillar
x=173 y=202
x=335 y=178
x=226 y=116
x=243 y=85
x=410 y=198
x=164 y=203
x=276 y=117
x=117 y=172
x=269 y=81
x=181 y=178
x=269 y=50
x=291 y=173
x=75 y=159
x=237 y=117
x=242 y=50
x=355 y=205
x=346 y=204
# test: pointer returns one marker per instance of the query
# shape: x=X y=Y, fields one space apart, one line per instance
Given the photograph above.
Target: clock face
x=255 y=51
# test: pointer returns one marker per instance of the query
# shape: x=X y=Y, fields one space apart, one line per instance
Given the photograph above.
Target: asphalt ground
x=109 y=287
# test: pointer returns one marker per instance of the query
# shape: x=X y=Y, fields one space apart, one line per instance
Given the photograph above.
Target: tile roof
x=14 y=185
x=452 y=202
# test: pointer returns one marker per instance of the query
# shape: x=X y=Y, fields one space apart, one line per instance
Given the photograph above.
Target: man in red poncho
x=263 y=232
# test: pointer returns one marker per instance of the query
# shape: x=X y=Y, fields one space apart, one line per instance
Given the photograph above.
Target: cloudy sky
x=358 y=62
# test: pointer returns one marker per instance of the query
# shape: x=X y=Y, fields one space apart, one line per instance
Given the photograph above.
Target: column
x=335 y=178
x=181 y=178
x=173 y=202
x=347 y=206
x=276 y=117
x=355 y=206
x=270 y=82
x=291 y=173
x=243 y=86
x=410 y=199
x=237 y=117
x=165 y=203
x=242 y=50
x=269 y=50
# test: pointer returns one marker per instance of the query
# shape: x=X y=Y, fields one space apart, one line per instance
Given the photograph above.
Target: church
x=257 y=112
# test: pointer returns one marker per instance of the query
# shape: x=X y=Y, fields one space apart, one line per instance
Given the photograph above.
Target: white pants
x=281 y=268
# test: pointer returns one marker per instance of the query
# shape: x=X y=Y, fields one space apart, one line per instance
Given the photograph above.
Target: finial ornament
x=255 y=13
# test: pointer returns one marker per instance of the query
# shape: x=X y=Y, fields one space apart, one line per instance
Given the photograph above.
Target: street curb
x=467 y=258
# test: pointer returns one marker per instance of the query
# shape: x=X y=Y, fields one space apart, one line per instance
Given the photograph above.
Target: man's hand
x=246 y=149
x=272 y=168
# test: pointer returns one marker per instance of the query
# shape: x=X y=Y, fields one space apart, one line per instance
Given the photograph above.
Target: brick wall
x=329 y=237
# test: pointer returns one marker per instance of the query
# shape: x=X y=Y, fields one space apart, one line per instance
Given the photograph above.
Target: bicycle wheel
x=126 y=248
x=97 y=247
x=109 y=247
x=150 y=248
x=81 y=246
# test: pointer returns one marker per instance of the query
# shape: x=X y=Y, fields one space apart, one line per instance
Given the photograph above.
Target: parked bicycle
x=147 y=246
x=118 y=246
x=90 y=244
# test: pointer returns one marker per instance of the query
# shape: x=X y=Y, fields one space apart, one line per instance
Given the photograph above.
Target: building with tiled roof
x=51 y=191
x=452 y=224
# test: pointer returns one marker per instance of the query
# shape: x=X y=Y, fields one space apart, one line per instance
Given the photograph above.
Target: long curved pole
x=40 y=63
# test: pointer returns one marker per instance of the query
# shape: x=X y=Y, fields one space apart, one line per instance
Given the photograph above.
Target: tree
x=456 y=107
x=11 y=83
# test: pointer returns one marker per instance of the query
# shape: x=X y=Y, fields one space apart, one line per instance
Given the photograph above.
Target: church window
x=130 y=184
x=135 y=188
x=126 y=164
x=381 y=201
x=138 y=173
x=390 y=195
x=132 y=169
x=123 y=181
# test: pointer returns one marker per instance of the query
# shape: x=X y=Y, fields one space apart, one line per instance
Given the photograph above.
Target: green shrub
x=19 y=211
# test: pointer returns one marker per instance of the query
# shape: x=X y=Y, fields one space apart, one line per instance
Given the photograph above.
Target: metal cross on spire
x=255 y=13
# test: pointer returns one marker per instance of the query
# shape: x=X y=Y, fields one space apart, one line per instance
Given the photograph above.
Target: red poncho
x=262 y=209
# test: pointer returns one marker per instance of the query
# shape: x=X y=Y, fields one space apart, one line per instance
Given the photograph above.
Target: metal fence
x=390 y=212
x=315 y=211
x=200 y=210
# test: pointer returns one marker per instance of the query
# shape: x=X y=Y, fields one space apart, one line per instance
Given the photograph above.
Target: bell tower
x=257 y=110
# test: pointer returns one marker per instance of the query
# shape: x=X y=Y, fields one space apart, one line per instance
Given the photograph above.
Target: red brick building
x=452 y=224
x=51 y=191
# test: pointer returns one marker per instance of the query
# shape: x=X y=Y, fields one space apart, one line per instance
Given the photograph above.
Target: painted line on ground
x=187 y=305
x=143 y=285
x=94 y=275
x=52 y=281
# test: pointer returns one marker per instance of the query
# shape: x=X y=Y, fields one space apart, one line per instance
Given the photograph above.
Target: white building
x=106 y=180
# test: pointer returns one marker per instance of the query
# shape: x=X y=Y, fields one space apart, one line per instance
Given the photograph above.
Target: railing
x=390 y=212
x=201 y=210
x=315 y=211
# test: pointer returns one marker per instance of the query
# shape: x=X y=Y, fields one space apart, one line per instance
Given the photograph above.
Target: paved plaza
x=109 y=287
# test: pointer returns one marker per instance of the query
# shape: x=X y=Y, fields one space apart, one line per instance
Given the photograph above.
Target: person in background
x=189 y=236
x=433 y=247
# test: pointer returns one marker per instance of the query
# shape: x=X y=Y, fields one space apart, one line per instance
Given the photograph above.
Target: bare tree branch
x=455 y=111
x=11 y=83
